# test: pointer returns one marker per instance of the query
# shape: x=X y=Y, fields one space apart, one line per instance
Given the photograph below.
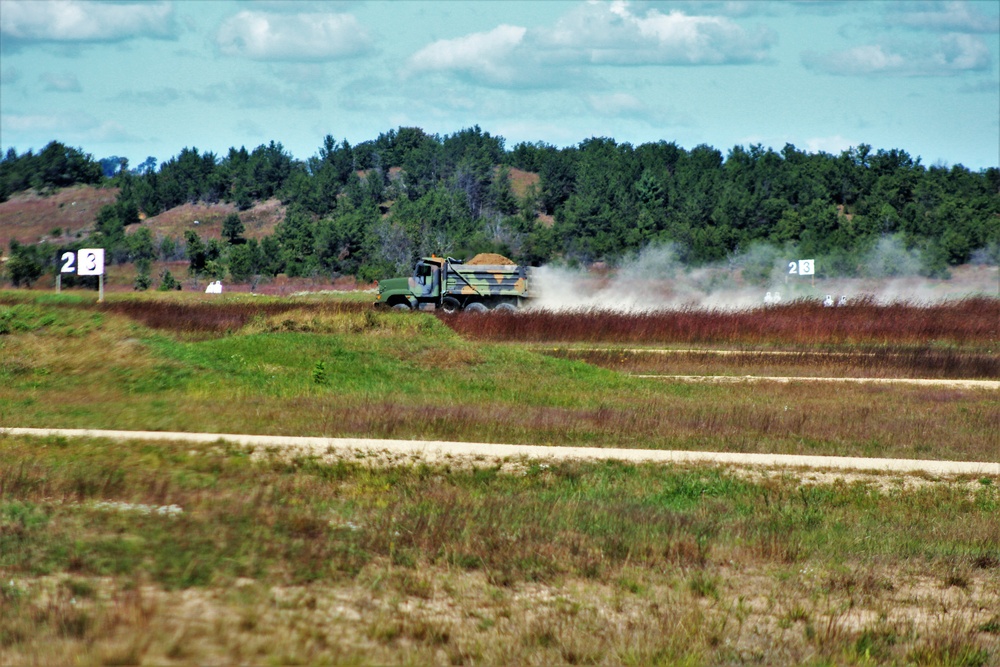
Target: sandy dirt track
x=955 y=384
x=438 y=450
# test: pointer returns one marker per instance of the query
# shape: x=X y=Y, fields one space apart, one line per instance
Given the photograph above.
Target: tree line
x=370 y=209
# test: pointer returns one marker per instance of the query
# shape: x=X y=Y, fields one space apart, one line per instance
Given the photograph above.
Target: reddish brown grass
x=880 y=362
x=212 y=317
x=968 y=321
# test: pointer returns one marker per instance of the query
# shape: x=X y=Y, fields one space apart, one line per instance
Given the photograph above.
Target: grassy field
x=335 y=367
x=119 y=553
x=141 y=553
x=64 y=215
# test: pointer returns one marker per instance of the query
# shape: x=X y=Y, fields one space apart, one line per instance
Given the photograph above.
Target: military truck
x=453 y=285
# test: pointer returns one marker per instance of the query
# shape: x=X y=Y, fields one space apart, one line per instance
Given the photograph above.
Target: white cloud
x=962 y=52
x=834 y=144
x=592 y=34
x=82 y=128
x=950 y=16
x=827 y=7
x=982 y=86
x=32 y=122
x=613 y=34
x=952 y=54
x=110 y=131
x=75 y=21
x=292 y=6
x=156 y=97
x=60 y=83
x=627 y=106
x=256 y=94
x=615 y=104
x=727 y=7
x=292 y=37
x=489 y=56
x=241 y=93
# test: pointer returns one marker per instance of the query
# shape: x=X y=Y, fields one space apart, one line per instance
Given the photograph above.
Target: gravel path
x=955 y=384
x=432 y=450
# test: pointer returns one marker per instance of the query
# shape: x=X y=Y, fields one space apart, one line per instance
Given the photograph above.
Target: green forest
x=370 y=209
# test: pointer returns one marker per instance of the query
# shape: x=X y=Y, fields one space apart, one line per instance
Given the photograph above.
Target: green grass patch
x=337 y=368
x=96 y=507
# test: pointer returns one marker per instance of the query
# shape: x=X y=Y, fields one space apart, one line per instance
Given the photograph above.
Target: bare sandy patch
x=435 y=450
x=921 y=382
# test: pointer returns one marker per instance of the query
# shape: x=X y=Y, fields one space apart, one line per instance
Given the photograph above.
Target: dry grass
x=974 y=321
x=30 y=217
x=406 y=376
x=171 y=554
x=328 y=560
x=459 y=617
x=201 y=317
x=521 y=181
x=259 y=221
x=880 y=362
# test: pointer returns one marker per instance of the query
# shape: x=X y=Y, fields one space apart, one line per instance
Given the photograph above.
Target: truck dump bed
x=485 y=280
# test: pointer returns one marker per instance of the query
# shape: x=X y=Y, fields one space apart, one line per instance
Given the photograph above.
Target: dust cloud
x=657 y=279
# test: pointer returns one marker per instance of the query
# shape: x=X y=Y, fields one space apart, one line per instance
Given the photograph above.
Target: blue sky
x=140 y=79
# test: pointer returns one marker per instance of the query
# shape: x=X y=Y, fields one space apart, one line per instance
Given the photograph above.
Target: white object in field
x=842 y=301
x=768 y=299
x=828 y=301
x=807 y=267
x=776 y=297
x=90 y=262
x=214 y=287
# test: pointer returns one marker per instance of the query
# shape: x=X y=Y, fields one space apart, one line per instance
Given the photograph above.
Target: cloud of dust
x=656 y=279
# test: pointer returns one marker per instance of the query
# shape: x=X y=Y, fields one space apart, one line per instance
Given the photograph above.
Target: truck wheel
x=505 y=308
x=450 y=305
x=401 y=306
x=476 y=307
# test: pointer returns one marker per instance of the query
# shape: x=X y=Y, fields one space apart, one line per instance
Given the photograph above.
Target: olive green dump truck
x=453 y=285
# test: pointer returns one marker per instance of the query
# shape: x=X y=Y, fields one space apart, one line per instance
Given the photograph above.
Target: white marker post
x=90 y=262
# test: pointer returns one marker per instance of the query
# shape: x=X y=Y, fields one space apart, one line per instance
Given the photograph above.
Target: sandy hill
x=69 y=213
x=206 y=219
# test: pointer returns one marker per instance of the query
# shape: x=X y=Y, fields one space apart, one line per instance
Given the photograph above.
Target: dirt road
x=955 y=384
x=439 y=450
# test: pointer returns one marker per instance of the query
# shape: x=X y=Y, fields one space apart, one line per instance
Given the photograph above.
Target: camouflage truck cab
x=452 y=285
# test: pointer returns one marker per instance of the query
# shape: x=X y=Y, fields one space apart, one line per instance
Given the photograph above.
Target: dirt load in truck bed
x=491 y=259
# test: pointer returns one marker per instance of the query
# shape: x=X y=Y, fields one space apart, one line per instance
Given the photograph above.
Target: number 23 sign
x=86 y=262
x=803 y=267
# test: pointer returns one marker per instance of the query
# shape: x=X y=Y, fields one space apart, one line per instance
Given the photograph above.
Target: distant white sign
x=91 y=262
x=86 y=262
x=803 y=267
